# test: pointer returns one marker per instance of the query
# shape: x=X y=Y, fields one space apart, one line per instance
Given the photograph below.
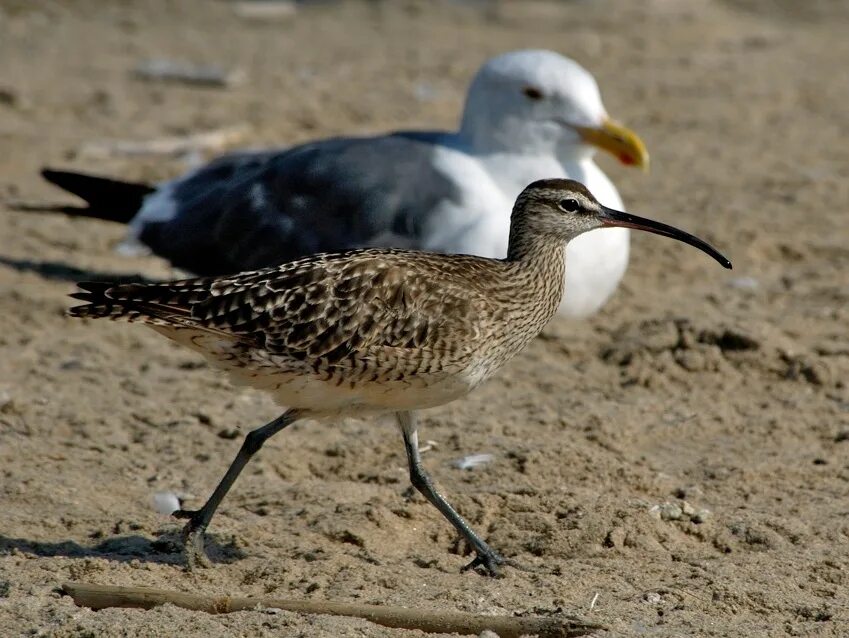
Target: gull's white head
x=538 y=101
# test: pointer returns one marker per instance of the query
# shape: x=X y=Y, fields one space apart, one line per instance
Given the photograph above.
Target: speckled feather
x=355 y=318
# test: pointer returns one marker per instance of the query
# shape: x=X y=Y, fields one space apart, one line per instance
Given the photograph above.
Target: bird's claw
x=489 y=561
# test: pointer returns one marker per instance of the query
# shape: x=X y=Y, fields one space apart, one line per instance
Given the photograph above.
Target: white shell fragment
x=472 y=461
x=166 y=503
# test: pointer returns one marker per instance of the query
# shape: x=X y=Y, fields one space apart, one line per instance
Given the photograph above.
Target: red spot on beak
x=627 y=160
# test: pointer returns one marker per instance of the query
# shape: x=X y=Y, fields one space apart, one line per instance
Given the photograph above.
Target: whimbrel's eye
x=532 y=93
x=569 y=205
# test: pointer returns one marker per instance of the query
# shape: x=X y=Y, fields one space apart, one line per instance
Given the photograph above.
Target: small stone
x=652 y=598
x=700 y=516
x=687 y=509
x=228 y=433
x=488 y=633
x=615 y=538
x=203 y=418
x=690 y=360
x=7 y=403
x=670 y=512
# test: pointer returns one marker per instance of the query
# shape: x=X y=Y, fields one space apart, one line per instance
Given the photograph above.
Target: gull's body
x=374 y=331
x=529 y=115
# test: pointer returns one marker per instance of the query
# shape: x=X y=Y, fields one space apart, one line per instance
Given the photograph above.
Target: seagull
x=374 y=331
x=529 y=115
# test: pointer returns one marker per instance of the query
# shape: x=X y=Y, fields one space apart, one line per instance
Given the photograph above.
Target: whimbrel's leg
x=486 y=557
x=199 y=519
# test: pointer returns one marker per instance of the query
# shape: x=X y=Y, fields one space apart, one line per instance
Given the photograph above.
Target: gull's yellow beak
x=618 y=140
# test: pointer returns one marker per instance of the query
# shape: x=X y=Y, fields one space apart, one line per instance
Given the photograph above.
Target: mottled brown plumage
x=372 y=330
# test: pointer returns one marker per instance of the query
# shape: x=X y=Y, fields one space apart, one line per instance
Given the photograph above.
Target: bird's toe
x=487 y=563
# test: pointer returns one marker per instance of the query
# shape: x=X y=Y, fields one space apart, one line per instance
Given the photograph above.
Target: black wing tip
x=59 y=177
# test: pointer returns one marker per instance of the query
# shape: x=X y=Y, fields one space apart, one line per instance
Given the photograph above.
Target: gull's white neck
x=511 y=169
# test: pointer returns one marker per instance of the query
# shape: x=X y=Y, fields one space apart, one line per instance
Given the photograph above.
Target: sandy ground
x=724 y=390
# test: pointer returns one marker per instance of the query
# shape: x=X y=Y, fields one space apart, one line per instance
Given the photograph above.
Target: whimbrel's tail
x=108 y=199
x=150 y=303
x=165 y=307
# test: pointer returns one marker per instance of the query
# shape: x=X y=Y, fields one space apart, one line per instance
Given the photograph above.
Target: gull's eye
x=569 y=205
x=532 y=93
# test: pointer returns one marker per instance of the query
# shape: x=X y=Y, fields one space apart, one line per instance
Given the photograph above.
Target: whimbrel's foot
x=193 y=540
x=489 y=561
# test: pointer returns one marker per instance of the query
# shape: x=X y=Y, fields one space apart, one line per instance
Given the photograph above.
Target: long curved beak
x=610 y=217
x=618 y=140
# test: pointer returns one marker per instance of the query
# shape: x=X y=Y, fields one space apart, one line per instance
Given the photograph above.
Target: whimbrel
x=373 y=331
x=528 y=115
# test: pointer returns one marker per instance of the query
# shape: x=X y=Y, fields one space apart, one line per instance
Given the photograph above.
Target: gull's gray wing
x=247 y=211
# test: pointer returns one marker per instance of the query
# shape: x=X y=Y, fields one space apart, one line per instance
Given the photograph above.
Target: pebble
x=6 y=400
x=674 y=512
x=670 y=512
x=700 y=516
x=652 y=598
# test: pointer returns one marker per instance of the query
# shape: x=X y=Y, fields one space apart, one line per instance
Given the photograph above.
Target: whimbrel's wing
x=254 y=210
x=326 y=309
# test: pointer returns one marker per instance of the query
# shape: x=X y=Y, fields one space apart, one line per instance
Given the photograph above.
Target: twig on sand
x=427 y=620
x=173 y=146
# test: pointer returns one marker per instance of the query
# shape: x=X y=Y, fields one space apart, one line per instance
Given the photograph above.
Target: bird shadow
x=60 y=271
x=166 y=548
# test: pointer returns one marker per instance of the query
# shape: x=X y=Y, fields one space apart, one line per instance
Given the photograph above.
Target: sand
x=681 y=460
